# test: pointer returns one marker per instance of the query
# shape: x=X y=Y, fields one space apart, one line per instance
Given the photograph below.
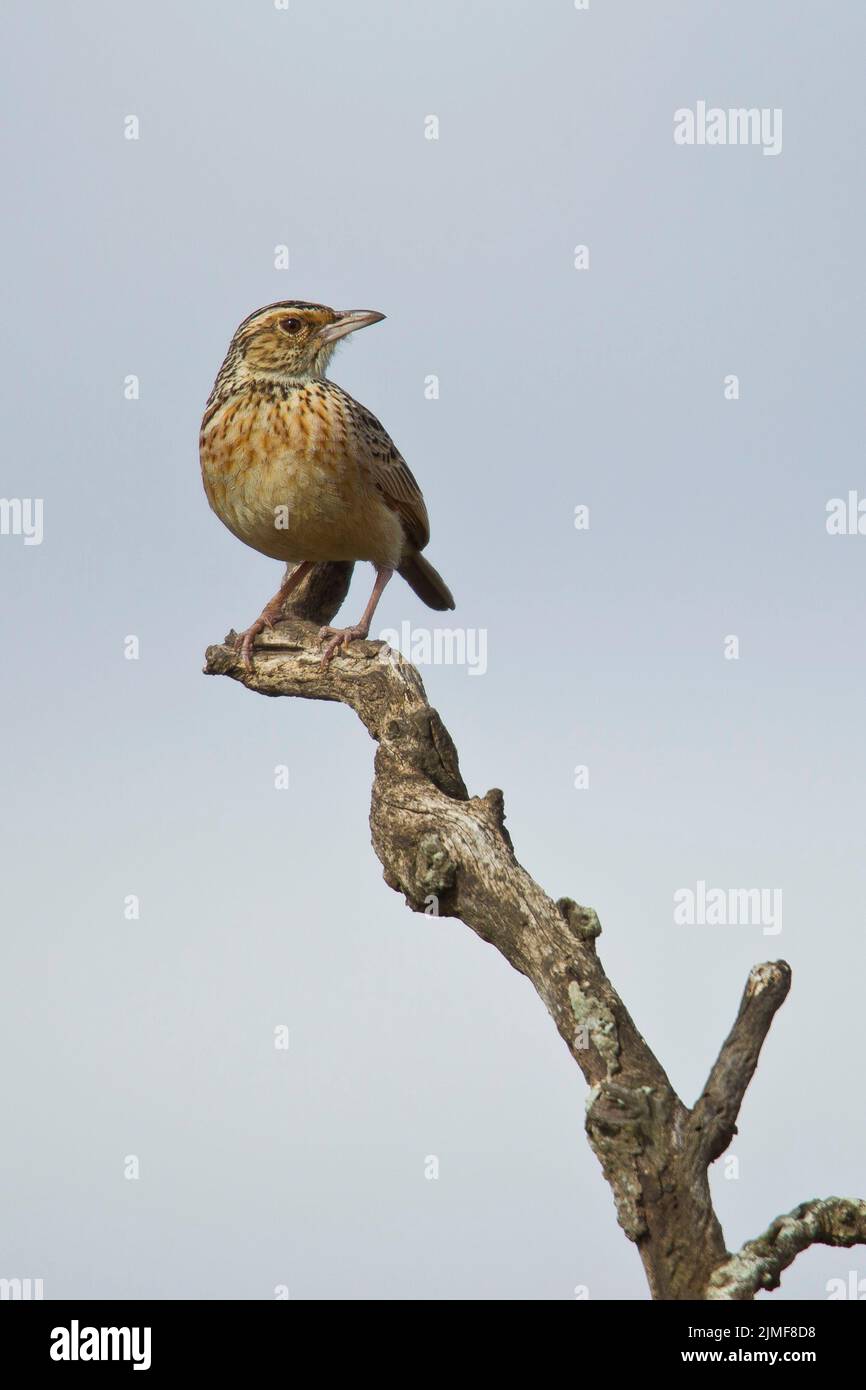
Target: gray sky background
x=260 y=907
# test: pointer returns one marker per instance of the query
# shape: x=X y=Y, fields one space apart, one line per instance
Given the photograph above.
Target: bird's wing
x=393 y=477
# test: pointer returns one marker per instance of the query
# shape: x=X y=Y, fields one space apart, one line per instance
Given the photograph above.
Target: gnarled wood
x=823 y=1221
x=450 y=852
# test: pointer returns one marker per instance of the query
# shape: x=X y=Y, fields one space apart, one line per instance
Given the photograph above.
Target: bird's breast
x=281 y=471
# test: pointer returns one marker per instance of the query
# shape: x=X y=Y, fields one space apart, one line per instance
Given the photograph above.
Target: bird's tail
x=427 y=583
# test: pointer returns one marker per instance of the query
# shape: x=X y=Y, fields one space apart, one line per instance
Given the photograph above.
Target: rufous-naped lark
x=300 y=471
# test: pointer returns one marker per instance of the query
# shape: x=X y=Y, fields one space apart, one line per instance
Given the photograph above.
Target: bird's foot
x=337 y=637
x=244 y=640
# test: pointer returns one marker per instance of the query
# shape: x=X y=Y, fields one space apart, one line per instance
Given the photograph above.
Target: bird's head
x=292 y=340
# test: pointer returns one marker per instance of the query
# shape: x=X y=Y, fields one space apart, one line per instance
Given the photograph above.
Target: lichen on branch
x=439 y=845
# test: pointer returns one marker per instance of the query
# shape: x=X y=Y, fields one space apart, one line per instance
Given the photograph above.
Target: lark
x=299 y=470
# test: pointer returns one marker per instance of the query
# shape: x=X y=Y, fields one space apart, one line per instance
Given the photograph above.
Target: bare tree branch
x=823 y=1221
x=321 y=593
x=450 y=853
x=714 y=1118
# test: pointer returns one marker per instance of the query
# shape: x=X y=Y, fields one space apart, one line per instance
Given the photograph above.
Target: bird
x=299 y=470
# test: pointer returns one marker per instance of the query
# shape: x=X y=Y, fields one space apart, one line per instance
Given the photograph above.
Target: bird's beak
x=346 y=322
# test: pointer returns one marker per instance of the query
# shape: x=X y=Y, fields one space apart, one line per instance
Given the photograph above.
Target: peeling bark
x=435 y=841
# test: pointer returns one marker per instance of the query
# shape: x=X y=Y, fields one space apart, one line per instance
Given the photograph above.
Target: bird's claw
x=244 y=642
x=337 y=637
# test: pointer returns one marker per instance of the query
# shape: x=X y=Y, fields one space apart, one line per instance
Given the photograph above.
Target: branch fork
x=442 y=848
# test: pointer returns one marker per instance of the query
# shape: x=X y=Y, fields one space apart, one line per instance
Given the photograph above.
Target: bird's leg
x=342 y=636
x=271 y=611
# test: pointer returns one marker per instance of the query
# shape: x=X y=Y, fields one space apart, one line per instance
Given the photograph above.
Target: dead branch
x=823 y=1221
x=449 y=852
x=713 y=1121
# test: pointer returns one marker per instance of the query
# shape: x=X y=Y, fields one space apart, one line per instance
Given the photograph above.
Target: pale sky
x=607 y=648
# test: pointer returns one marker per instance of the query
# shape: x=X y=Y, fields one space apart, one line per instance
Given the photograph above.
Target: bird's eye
x=290 y=325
